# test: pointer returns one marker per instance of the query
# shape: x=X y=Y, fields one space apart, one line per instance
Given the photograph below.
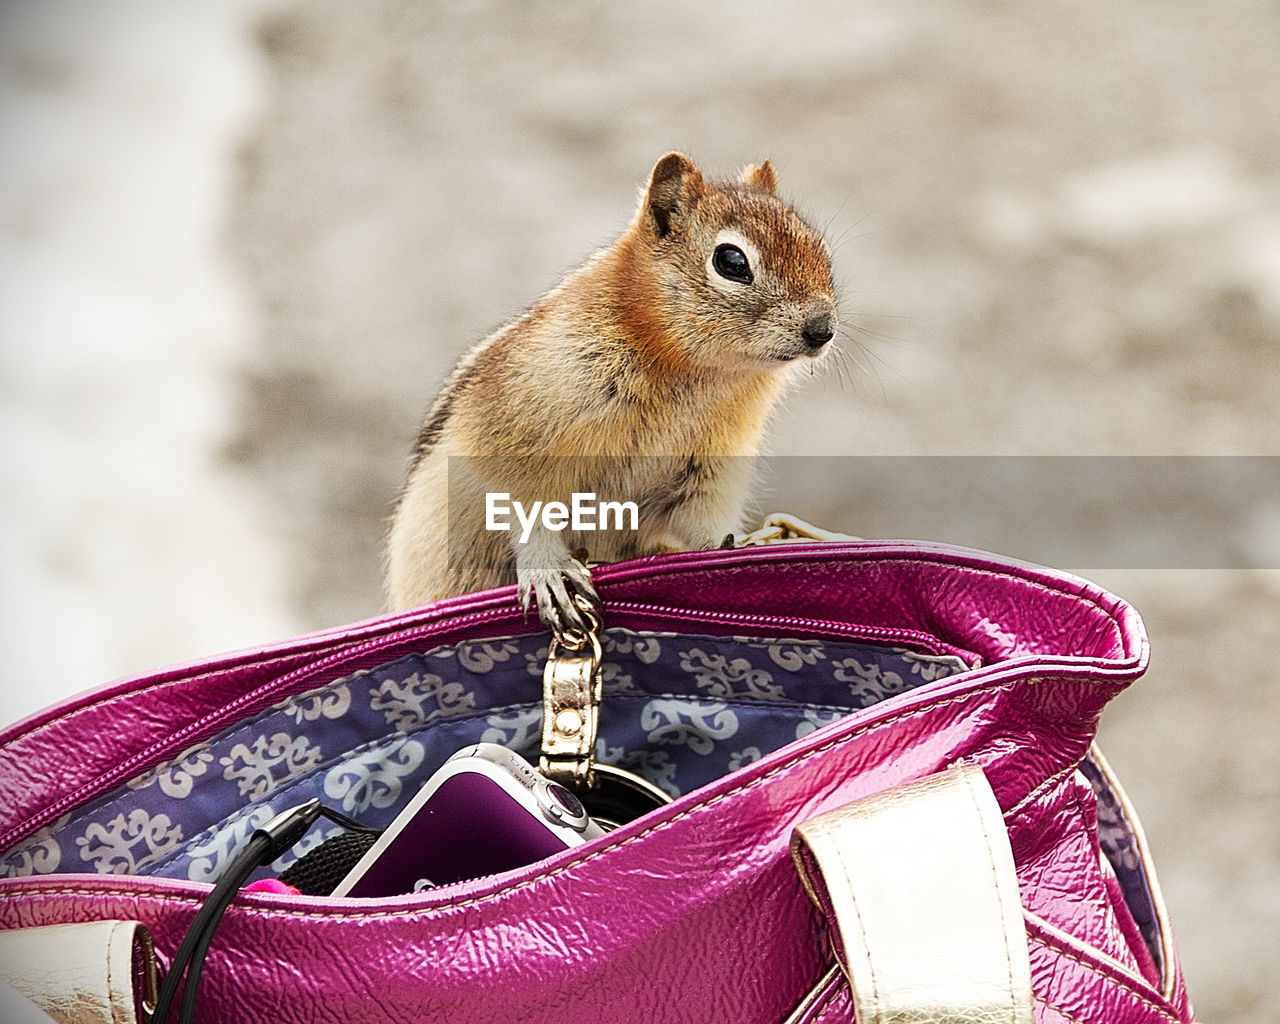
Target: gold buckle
x=571 y=692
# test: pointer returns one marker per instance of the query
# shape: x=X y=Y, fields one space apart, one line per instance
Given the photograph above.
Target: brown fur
x=640 y=358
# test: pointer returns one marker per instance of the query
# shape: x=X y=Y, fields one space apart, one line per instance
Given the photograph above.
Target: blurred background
x=241 y=244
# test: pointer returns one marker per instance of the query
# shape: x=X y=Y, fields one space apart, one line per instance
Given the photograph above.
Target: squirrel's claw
x=555 y=581
x=557 y=606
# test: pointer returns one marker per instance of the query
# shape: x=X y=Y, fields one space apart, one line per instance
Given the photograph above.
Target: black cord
x=257 y=854
x=265 y=845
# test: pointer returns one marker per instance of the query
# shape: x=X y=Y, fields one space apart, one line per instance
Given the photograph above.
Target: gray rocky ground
x=1058 y=232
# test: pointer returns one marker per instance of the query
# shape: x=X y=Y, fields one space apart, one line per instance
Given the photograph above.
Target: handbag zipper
x=819 y=629
x=336 y=664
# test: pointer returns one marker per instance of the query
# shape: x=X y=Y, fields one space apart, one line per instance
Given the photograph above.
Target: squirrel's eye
x=731 y=262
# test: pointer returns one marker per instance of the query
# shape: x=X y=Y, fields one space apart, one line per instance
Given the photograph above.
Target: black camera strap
x=265 y=845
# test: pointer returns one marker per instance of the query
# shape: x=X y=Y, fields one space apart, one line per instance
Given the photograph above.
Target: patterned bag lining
x=681 y=710
x=1119 y=844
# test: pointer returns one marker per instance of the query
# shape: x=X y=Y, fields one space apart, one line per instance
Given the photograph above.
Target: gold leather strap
x=922 y=896
x=571 y=692
x=83 y=973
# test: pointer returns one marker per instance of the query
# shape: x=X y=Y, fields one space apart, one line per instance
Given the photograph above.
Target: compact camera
x=484 y=811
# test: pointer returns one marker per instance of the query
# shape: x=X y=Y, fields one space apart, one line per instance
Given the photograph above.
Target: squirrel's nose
x=817 y=330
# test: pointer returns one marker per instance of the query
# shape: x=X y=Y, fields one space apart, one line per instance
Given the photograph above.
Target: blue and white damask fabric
x=1120 y=845
x=679 y=710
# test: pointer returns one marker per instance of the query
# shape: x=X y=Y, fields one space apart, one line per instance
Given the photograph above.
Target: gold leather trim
x=811 y=999
x=927 y=921
x=78 y=973
x=572 y=688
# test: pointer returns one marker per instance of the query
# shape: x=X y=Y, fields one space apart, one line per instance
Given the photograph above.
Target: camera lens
x=571 y=804
x=563 y=807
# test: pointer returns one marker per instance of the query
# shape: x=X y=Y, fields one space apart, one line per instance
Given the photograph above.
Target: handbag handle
x=918 y=886
x=97 y=972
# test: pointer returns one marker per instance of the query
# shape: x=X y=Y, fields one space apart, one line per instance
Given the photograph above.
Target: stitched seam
x=1106 y=976
x=985 y=571
x=111 y=985
x=373 y=644
x=936 y=563
x=1116 y=974
x=263 y=692
x=565 y=865
x=972 y=791
x=251 y=727
x=1059 y=1010
x=476 y=617
x=873 y=634
x=1099 y=895
x=834 y=848
x=469 y=619
x=371 y=744
x=1039 y=791
x=1090 y=842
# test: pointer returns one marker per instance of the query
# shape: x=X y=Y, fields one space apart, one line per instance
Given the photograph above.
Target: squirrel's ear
x=761 y=177
x=675 y=186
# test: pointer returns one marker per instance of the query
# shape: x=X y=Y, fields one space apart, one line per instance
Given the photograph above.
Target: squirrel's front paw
x=556 y=578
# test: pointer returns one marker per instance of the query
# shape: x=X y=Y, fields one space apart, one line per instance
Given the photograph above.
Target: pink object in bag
x=885 y=797
x=272 y=885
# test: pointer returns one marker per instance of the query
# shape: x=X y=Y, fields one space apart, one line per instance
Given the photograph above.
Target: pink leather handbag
x=886 y=804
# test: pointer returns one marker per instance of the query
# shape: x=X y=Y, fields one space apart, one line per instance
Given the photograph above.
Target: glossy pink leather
x=693 y=913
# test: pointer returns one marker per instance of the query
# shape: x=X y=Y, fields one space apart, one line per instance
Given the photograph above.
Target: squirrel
x=647 y=373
